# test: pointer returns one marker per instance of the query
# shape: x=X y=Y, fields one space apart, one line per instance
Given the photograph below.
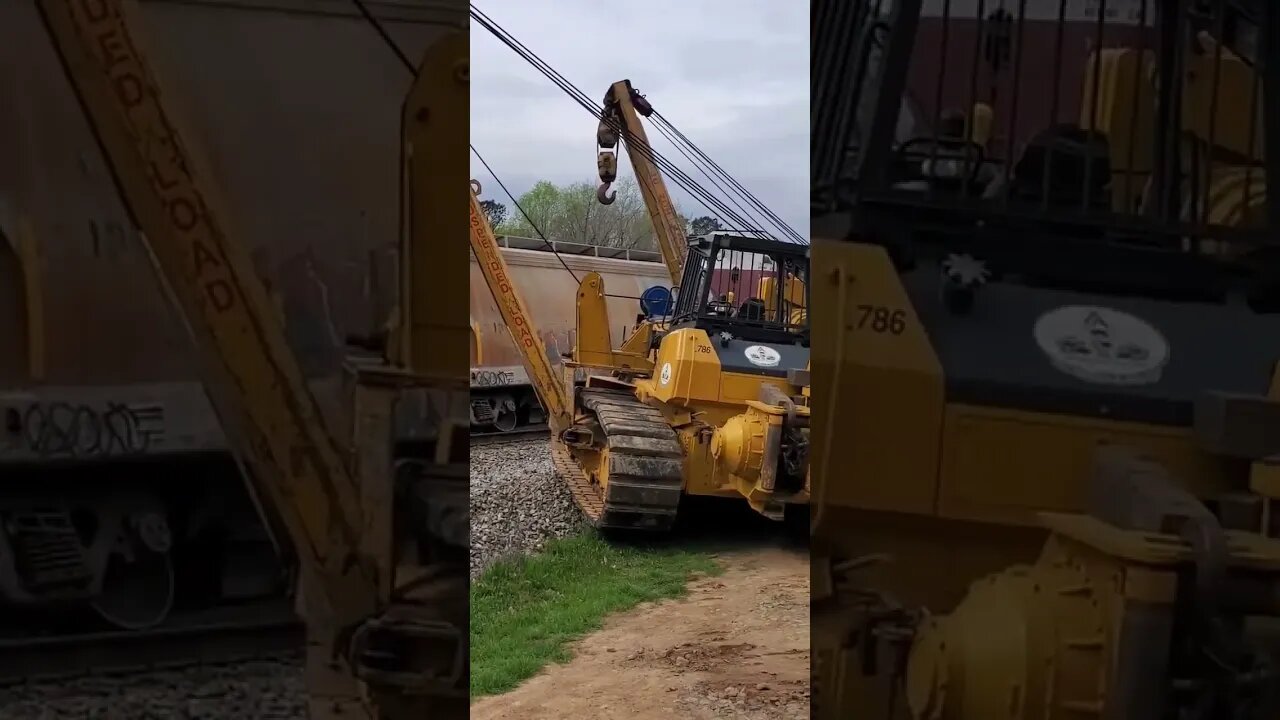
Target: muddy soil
x=736 y=646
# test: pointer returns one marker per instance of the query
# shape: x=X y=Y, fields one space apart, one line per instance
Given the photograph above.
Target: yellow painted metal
x=552 y=300
x=1040 y=640
x=745 y=450
x=739 y=444
x=1125 y=110
x=1218 y=85
x=965 y=462
x=964 y=510
x=943 y=489
x=438 y=106
x=793 y=299
x=982 y=476
x=701 y=477
x=728 y=460
x=1264 y=475
x=32 y=262
x=477 y=348
x=1125 y=102
x=593 y=341
x=688 y=381
x=515 y=315
x=982 y=124
x=639 y=341
x=1028 y=642
x=695 y=370
x=20 y=251
x=876 y=390
x=620 y=109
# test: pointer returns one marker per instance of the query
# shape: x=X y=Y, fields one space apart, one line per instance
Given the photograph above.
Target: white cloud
x=732 y=75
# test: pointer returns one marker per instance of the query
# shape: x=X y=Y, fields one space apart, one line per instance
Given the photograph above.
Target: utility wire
x=591 y=107
x=386 y=36
x=404 y=59
x=778 y=221
x=532 y=224
x=667 y=134
x=708 y=199
x=528 y=219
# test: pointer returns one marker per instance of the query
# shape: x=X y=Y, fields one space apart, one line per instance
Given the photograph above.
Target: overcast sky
x=732 y=75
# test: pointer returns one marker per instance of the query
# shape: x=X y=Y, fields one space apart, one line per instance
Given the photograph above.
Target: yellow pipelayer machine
x=709 y=399
x=1045 y=487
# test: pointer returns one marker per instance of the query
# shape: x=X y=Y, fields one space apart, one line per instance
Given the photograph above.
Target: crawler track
x=212 y=638
x=642 y=461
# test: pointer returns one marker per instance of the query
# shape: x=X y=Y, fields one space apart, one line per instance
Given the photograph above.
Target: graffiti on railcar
x=492 y=378
x=78 y=430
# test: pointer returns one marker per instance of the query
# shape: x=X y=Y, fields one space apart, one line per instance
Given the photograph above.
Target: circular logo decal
x=762 y=356
x=1101 y=345
x=665 y=377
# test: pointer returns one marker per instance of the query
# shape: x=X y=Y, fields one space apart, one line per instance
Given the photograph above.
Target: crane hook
x=602 y=194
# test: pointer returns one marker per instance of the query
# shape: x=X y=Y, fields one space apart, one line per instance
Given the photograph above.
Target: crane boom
x=623 y=106
x=516 y=317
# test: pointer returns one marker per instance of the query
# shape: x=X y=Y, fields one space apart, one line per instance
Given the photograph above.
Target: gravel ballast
x=265 y=689
x=517 y=502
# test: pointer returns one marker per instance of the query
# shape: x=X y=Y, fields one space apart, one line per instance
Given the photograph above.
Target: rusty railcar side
x=550 y=290
x=499 y=384
x=294 y=110
x=296 y=107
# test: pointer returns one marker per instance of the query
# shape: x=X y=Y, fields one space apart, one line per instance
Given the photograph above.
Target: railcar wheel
x=505 y=415
x=138 y=585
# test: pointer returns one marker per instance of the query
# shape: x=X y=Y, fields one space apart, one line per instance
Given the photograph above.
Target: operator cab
x=1082 y=226
x=737 y=287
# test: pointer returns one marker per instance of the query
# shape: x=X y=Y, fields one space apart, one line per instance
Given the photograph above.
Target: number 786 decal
x=881 y=319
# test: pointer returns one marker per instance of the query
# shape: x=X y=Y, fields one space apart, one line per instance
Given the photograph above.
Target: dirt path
x=736 y=646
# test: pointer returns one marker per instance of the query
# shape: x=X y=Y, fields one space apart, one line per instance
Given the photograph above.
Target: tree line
x=571 y=213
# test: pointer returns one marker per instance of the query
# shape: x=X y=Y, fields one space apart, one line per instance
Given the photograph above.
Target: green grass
x=525 y=612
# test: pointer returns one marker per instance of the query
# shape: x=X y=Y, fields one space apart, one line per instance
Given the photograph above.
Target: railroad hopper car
x=116 y=491
x=502 y=398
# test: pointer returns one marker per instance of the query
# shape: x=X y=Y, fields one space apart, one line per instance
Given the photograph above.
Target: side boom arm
x=515 y=314
x=623 y=107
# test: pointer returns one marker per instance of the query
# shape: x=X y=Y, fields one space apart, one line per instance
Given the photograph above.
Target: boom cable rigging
x=404 y=60
x=661 y=121
x=708 y=199
x=677 y=175
x=668 y=129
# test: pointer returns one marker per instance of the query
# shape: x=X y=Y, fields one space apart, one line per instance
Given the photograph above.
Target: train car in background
x=502 y=398
x=970 y=54
x=971 y=57
x=118 y=493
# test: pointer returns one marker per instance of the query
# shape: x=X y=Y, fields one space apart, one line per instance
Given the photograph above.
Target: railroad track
x=524 y=433
x=223 y=636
